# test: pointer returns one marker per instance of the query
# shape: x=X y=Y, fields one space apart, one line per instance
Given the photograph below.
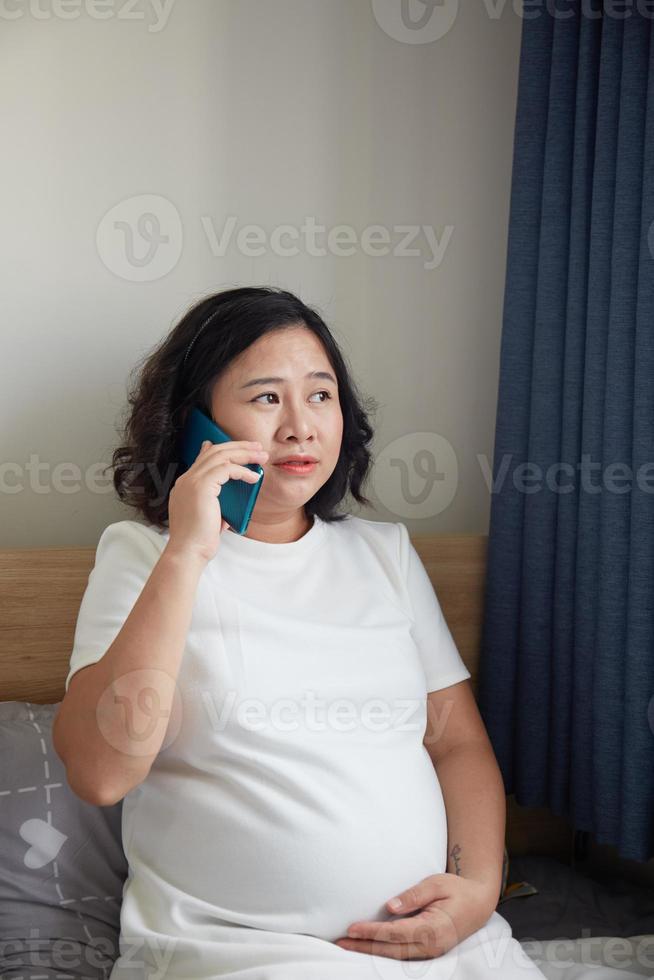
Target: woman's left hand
x=449 y=908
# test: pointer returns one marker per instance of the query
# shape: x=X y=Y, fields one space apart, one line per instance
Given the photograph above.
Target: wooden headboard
x=41 y=590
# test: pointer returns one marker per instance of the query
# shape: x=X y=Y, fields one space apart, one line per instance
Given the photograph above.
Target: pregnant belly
x=302 y=851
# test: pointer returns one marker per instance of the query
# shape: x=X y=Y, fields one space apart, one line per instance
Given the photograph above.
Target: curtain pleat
x=566 y=679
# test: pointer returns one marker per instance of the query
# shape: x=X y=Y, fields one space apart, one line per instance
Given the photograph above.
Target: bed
x=82 y=868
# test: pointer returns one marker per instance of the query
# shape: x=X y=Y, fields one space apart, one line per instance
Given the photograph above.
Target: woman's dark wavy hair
x=162 y=389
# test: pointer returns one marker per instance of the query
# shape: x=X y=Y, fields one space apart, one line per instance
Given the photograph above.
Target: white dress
x=296 y=795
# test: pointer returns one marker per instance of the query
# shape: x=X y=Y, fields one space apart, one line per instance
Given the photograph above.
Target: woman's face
x=289 y=413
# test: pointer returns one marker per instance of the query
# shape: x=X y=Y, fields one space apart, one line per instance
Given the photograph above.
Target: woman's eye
x=273 y=394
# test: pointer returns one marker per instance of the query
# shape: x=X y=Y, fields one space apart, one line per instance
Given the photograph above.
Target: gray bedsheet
x=571 y=904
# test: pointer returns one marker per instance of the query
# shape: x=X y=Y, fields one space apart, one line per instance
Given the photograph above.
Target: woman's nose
x=298 y=422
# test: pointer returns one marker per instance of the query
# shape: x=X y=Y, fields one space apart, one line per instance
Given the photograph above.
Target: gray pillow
x=62 y=865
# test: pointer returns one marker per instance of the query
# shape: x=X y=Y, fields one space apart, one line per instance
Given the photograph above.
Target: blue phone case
x=237 y=497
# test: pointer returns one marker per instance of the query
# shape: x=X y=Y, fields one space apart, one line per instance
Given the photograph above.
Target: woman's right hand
x=194 y=515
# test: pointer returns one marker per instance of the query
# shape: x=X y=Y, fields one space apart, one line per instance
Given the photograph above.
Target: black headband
x=207 y=321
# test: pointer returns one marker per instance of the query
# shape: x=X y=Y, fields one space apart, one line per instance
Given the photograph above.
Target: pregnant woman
x=284 y=713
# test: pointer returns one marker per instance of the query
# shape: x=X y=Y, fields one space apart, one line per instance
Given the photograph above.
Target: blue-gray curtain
x=566 y=680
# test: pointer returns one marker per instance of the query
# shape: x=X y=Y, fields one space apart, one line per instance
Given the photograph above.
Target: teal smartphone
x=237 y=497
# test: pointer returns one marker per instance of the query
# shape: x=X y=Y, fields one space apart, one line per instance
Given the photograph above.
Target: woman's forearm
x=475 y=804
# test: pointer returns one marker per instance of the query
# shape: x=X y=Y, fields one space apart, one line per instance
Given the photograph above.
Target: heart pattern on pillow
x=45 y=839
x=63 y=863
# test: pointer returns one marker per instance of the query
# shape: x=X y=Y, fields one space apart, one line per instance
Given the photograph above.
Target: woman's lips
x=302 y=469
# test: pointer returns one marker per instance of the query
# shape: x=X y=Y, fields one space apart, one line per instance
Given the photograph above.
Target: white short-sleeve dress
x=296 y=795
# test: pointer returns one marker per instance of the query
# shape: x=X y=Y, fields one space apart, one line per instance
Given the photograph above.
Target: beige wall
x=271 y=113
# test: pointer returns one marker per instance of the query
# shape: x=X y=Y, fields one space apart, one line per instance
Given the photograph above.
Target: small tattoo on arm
x=455 y=854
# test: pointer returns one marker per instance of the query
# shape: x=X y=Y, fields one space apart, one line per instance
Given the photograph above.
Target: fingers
x=210 y=452
x=225 y=472
x=415 y=929
x=417 y=896
x=236 y=444
x=426 y=935
x=227 y=461
x=405 y=951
